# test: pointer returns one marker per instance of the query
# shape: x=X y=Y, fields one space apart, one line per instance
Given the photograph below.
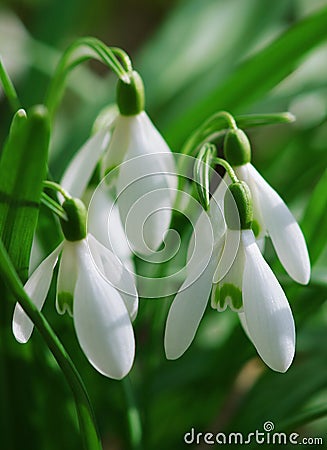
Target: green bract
x=237 y=148
x=238 y=207
x=74 y=228
x=130 y=96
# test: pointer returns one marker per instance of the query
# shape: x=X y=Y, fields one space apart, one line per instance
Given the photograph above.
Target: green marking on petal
x=215 y=298
x=227 y=294
x=65 y=302
x=256 y=228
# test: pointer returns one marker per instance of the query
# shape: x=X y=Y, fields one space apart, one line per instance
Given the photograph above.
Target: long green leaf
x=89 y=432
x=255 y=77
x=23 y=167
x=314 y=222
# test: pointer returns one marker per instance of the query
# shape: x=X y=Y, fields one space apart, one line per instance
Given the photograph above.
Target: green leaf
x=23 y=167
x=202 y=169
x=304 y=417
x=314 y=222
x=256 y=76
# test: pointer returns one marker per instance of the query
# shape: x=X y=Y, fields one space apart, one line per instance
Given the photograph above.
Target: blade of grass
x=23 y=168
x=255 y=77
x=314 y=222
x=89 y=433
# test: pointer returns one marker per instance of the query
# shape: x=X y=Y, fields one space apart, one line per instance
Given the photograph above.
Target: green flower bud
x=74 y=228
x=237 y=148
x=130 y=97
x=238 y=206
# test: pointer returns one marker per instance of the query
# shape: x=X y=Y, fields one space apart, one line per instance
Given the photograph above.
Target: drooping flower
x=145 y=168
x=95 y=288
x=271 y=215
x=232 y=265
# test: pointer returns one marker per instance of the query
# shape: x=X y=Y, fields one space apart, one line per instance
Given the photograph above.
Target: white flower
x=93 y=286
x=244 y=281
x=275 y=219
x=144 y=178
x=146 y=182
x=272 y=217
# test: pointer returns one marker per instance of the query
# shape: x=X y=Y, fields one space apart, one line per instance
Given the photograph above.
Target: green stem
x=220 y=121
x=133 y=415
x=126 y=60
x=53 y=206
x=90 y=436
x=228 y=167
x=217 y=125
x=79 y=51
x=9 y=88
x=57 y=188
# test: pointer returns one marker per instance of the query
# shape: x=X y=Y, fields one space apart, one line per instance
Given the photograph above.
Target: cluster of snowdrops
x=130 y=212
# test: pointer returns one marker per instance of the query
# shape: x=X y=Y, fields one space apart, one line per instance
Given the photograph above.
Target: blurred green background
x=196 y=57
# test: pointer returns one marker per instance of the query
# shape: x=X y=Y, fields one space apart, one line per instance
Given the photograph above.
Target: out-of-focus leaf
x=202 y=33
x=22 y=169
x=256 y=76
x=314 y=223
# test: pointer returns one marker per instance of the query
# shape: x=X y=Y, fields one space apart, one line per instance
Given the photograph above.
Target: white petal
x=220 y=192
x=115 y=273
x=36 y=287
x=187 y=309
x=284 y=231
x=145 y=188
x=102 y=323
x=119 y=143
x=165 y=157
x=67 y=277
x=229 y=273
x=105 y=225
x=268 y=315
x=208 y=231
x=79 y=171
x=231 y=247
x=244 y=173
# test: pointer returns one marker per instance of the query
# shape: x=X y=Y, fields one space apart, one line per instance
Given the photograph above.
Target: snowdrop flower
x=95 y=288
x=242 y=280
x=144 y=165
x=271 y=215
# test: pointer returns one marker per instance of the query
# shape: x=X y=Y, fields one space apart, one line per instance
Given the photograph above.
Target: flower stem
x=133 y=415
x=126 y=60
x=57 y=188
x=79 y=51
x=228 y=167
x=53 y=206
x=9 y=88
x=88 y=429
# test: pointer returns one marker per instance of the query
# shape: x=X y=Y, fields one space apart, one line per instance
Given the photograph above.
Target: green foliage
x=23 y=168
x=201 y=57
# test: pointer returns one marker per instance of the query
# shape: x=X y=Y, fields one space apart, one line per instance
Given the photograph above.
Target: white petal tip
x=282 y=366
x=116 y=374
x=171 y=354
x=116 y=370
x=19 y=334
x=22 y=327
x=303 y=278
